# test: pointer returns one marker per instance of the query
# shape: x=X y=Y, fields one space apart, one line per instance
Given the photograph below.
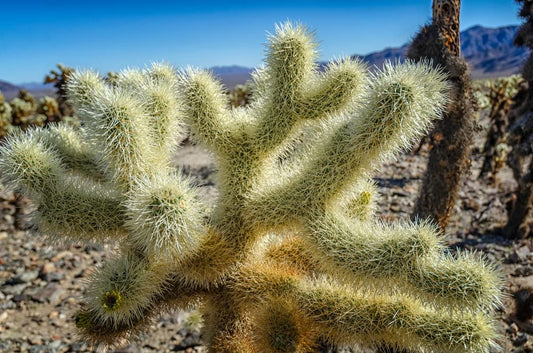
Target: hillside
x=9 y=90
x=489 y=51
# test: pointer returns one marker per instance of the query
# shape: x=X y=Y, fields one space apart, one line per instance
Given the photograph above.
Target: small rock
x=54 y=346
x=191 y=340
x=15 y=289
x=400 y=193
x=3 y=316
x=131 y=348
x=513 y=258
x=50 y=293
x=512 y=329
x=35 y=341
x=46 y=269
x=9 y=219
x=78 y=347
x=523 y=252
x=524 y=304
x=61 y=255
x=520 y=340
x=471 y=204
x=395 y=208
x=53 y=277
x=523 y=271
x=20 y=298
x=5 y=346
x=24 y=277
x=38 y=349
x=93 y=247
x=176 y=338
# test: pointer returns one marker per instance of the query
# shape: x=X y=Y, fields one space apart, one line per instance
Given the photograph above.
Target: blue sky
x=111 y=35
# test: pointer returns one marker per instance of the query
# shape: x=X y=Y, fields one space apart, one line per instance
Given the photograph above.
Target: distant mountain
x=38 y=90
x=37 y=86
x=232 y=75
x=489 y=51
x=9 y=90
x=234 y=69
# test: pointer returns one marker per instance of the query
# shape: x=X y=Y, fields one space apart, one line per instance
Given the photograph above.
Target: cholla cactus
x=5 y=117
x=291 y=253
x=24 y=111
x=241 y=95
x=48 y=107
x=497 y=96
x=59 y=78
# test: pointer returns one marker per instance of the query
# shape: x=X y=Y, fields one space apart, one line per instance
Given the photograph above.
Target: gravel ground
x=40 y=285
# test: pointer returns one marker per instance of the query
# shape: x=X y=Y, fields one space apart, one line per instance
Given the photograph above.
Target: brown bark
x=446 y=15
x=521 y=162
x=521 y=136
x=452 y=136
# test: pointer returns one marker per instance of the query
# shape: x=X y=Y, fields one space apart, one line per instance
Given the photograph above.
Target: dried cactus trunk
x=451 y=137
x=521 y=162
x=521 y=137
x=292 y=254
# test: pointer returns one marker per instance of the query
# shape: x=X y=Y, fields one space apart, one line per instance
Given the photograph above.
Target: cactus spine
x=291 y=254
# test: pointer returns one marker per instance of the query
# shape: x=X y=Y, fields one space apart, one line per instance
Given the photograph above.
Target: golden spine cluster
x=291 y=254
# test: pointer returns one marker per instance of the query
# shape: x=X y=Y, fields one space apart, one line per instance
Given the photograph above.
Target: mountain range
x=489 y=51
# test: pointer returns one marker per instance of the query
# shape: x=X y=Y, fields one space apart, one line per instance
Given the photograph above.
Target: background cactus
x=279 y=264
x=5 y=117
x=241 y=95
x=59 y=78
x=497 y=95
x=23 y=112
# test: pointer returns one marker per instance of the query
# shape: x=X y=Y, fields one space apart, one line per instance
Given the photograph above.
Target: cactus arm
x=69 y=206
x=81 y=89
x=289 y=65
x=333 y=91
x=398 y=110
x=350 y=316
x=463 y=280
x=156 y=88
x=28 y=165
x=408 y=255
x=99 y=324
x=116 y=122
x=79 y=209
x=77 y=156
x=205 y=110
x=290 y=89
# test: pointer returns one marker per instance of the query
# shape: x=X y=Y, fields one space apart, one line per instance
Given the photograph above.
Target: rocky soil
x=41 y=285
